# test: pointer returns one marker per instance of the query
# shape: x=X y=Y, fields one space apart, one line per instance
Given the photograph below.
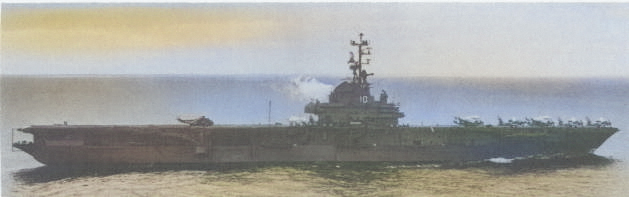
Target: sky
x=408 y=39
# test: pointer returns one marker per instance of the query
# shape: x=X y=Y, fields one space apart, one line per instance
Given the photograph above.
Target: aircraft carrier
x=353 y=126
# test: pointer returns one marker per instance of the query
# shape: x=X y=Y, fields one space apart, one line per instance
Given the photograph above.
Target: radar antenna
x=360 y=74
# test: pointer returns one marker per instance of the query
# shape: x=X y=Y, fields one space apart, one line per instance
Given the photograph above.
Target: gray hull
x=70 y=145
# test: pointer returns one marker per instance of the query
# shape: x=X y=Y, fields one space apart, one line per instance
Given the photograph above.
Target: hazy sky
x=409 y=39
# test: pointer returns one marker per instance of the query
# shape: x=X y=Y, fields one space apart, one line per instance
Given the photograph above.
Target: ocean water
x=27 y=100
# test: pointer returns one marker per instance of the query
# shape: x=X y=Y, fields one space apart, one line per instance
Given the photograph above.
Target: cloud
x=105 y=29
x=306 y=88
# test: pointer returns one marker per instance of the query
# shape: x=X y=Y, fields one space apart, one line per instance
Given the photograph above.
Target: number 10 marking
x=364 y=99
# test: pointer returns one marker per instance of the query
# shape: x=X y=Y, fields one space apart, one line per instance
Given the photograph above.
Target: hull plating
x=61 y=145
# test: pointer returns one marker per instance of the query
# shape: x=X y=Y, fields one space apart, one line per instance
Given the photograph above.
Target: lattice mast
x=360 y=74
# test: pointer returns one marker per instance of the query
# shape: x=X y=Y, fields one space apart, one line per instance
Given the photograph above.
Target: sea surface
x=127 y=100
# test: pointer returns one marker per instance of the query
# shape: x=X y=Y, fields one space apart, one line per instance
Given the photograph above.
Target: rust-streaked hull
x=68 y=145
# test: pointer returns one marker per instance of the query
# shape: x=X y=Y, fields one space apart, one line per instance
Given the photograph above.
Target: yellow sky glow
x=487 y=40
x=127 y=28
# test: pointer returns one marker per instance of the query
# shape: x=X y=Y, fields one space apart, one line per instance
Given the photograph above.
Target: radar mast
x=360 y=74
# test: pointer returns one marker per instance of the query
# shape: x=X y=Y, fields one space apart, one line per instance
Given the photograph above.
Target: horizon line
x=294 y=74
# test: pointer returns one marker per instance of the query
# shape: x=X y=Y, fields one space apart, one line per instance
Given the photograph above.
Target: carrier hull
x=352 y=126
x=77 y=145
